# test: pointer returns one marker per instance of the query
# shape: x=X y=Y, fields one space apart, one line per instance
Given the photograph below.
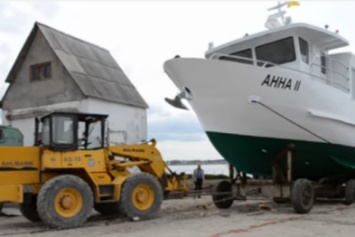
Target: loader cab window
x=89 y=134
x=64 y=132
x=63 y=129
x=45 y=132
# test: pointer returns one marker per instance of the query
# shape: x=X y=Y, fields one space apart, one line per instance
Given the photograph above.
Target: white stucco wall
x=127 y=124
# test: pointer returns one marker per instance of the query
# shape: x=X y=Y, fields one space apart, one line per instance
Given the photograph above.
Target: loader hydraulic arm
x=146 y=156
x=148 y=159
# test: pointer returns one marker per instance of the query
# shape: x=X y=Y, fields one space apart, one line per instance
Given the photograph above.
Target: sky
x=142 y=35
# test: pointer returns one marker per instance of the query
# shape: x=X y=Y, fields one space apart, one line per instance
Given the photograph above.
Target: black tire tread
x=350 y=192
x=222 y=186
x=296 y=197
x=50 y=219
x=28 y=210
x=127 y=209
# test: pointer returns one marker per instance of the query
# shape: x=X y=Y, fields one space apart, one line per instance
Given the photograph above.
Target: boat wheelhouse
x=300 y=47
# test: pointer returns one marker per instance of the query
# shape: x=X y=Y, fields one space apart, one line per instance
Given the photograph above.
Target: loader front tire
x=65 y=201
x=28 y=209
x=141 y=196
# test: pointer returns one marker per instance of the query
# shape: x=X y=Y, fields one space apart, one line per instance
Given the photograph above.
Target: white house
x=56 y=71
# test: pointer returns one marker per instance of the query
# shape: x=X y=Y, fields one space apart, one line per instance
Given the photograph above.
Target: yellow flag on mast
x=292 y=4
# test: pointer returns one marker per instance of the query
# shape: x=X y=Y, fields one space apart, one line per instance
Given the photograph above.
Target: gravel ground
x=199 y=217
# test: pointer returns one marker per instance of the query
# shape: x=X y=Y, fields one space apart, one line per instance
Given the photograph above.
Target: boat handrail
x=216 y=56
x=330 y=70
x=317 y=56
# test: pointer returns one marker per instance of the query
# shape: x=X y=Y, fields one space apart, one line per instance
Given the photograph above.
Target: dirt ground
x=199 y=217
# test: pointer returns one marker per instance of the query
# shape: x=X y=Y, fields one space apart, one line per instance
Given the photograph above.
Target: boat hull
x=312 y=160
x=290 y=108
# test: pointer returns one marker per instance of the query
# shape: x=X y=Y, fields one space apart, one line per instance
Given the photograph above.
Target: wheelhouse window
x=240 y=55
x=277 y=52
x=323 y=63
x=304 y=50
x=41 y=71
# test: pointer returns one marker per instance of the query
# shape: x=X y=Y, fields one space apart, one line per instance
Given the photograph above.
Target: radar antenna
x=273 y=21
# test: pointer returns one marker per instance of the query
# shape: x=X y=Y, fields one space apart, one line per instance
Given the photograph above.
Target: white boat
x=257 y=94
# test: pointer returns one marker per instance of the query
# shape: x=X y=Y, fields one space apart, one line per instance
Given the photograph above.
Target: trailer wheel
x=28 y=209
x=65 y=201
x=107 y=208
x=350 y=192
x=223 y=201
x=141 y=196
x=302 y=196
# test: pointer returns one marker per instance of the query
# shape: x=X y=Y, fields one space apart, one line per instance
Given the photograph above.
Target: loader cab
x=64 y=131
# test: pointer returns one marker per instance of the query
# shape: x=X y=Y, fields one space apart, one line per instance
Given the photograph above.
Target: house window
x=277 y=52
x=41 y=71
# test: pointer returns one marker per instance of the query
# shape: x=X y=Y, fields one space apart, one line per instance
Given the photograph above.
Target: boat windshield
x=267 y=55
x=244 y=56
x=277 y=52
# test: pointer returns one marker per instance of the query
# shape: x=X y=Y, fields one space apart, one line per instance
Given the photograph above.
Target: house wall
x=24 y=93
x=127 y=124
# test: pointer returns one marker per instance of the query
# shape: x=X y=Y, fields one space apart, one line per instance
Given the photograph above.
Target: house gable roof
x=92 y=68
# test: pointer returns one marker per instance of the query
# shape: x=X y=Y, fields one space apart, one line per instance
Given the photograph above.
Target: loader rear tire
x=141 y=196
x=1 y=207
x=107 y=209
x=65 y=201
x=28 y=209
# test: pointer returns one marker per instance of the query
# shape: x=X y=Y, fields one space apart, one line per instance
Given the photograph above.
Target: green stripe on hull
x=311 y=160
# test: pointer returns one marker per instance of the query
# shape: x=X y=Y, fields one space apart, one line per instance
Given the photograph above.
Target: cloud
x=16 y=22
x=163 y=125
x=191 y=150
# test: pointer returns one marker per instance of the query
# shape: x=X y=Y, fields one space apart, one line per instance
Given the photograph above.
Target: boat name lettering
x=16 y=163
x=281 y=82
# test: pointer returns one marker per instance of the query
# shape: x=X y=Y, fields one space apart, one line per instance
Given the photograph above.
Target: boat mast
x=272 y=20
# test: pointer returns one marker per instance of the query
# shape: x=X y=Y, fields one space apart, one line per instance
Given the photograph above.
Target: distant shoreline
x=195 y=162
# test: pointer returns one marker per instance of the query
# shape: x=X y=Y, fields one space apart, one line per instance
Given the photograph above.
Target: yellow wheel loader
x=71 y=169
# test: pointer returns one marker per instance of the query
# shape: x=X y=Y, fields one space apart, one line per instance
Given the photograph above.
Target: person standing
x=198 y=177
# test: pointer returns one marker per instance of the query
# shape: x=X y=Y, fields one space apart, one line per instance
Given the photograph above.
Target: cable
x=267 y=107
